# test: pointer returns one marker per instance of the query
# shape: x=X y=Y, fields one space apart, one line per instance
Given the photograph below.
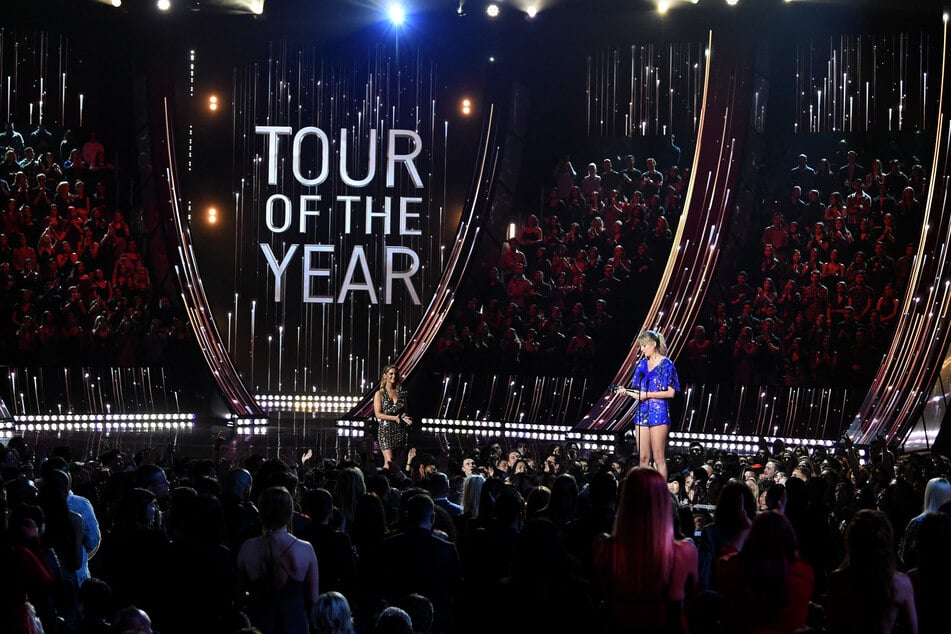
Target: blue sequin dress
x=653 y=412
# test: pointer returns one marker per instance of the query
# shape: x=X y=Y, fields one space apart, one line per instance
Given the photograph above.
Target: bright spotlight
x=732 y=3
x=164 y=5
x=117 y=3
x=531 y=11
x=466 y=107
x=396 y=13
x=213 y=103
x=663 y=6
x=212 y=215
x=492 y=10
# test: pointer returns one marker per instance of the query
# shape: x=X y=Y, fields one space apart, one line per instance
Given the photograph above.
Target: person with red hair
x=644 y=572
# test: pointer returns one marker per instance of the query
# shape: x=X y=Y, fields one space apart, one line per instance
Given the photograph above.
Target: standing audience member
x=645 y=574
x=277 y=570
x=930 y=579
x=417 y=560
x=766 y=585
x=24 y=576
x=866 y=594
x=544 y=593
x=736 y=508
x=937 y=493
x=134 y=555
x=90 y=525
x=336 y=557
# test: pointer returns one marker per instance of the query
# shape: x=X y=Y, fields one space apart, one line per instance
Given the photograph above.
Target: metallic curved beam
x=239 y=399
x=913 y=360
x=457 y=263
x=707 y=209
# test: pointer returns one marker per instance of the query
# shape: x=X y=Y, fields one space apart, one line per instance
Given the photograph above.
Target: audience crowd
x=554 y=296
x=74 y=288
x=530 y=537
x=816 y=291
x=814 y=297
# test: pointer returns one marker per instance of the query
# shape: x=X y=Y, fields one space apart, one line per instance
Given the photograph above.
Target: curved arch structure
x=457 y=264
x=707 y=209
x=240 y=401
x=910 y=368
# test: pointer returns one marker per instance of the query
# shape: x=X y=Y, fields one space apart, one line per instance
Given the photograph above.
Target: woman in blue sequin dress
x=389 y=407
x=655 y=382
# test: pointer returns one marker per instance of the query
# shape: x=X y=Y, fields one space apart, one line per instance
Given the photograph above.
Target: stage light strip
x=312 y=403
x=744 y=444
x=104 y=422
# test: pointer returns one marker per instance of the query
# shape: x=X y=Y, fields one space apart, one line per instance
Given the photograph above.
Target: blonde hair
x=937 y=492
x=654 y=337
x=332 y=614
x=383 y=376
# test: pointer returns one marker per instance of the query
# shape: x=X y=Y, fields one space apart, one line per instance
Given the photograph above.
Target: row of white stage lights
x=103 y=422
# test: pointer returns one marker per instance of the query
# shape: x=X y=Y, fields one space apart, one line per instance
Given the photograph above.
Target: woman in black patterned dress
x=389 y=407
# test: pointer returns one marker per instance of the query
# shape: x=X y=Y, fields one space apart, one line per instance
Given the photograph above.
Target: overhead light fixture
x=164 y=5
x=492 y=10
x=396 y=14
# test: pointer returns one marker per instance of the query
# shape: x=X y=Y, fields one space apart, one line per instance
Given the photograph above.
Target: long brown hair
x=870 y=561
x=767 y=556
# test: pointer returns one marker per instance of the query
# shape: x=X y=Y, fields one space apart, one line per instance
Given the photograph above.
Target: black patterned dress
x=392 y=434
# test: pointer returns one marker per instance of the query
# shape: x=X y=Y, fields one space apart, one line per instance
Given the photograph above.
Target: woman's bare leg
x=642 y=433
x=658 y=443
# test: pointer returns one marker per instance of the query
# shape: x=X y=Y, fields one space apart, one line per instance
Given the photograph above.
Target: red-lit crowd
x=822 y=295
x=541 y=538
x=554 y=294
x=811 y=297
x=74 y=288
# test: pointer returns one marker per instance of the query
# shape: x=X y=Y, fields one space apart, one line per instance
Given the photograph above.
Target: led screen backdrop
x=340 y=205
